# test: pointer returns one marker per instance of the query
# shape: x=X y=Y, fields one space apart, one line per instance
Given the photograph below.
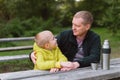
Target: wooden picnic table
x=78 y=74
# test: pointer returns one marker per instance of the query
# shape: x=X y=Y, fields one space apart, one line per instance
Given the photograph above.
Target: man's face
x=79 y=29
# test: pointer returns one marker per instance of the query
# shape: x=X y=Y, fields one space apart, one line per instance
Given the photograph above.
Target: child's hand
x=52 y=70
x=67 y=64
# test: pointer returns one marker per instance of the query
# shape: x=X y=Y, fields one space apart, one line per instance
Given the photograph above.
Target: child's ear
x=47 y=45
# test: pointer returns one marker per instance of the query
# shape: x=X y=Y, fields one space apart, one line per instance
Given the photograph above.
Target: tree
x=111 y=17
x=96 y=7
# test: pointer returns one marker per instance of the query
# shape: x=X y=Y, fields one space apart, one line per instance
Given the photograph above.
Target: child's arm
x=43 y=64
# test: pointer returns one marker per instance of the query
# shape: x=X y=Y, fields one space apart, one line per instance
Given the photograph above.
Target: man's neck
x=81 y=38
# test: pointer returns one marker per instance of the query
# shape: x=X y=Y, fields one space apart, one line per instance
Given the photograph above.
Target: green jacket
x=91 y=47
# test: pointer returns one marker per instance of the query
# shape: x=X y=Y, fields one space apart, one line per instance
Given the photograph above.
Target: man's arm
x=92 y=54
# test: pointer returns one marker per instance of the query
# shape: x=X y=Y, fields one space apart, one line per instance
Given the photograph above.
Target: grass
x=15 y=65
x=19 y=65
x=113 y=39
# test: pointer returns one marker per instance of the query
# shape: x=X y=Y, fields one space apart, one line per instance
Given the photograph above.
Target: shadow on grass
x=15 y=65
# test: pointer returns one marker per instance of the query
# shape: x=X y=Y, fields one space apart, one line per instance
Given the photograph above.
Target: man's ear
x=88 y=26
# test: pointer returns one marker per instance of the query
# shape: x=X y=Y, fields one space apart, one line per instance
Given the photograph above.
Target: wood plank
x=15 y=48
x=16 y=39
x=22 y=74
x=78 y=74
x=6 y=58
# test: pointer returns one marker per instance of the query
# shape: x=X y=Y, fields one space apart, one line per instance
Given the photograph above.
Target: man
x=80 y=45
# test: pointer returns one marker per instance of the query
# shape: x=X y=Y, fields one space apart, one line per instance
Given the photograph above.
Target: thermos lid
x=106 y=44
x=106 y=47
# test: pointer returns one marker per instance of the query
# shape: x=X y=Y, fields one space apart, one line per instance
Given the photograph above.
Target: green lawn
x=113 y=39
x=15 y=65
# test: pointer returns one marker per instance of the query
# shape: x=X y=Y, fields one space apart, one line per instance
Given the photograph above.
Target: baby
x=49 y=56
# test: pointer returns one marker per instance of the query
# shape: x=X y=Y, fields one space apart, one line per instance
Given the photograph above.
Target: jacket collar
x=73 y=40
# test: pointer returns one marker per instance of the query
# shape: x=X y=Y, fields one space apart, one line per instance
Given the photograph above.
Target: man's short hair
x=86 y=16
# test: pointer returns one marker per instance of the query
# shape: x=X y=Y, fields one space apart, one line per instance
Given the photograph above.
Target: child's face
x=52 y=42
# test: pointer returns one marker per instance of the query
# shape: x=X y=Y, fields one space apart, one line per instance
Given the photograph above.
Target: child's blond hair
x=42 y=38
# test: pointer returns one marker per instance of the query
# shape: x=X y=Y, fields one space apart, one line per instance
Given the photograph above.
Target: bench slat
x=16 y=39
x=6 y=58
x=16 y=48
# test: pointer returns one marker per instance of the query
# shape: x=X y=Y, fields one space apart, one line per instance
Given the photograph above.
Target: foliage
x=31 y=26
x=97 y=7
x=27 y=17
x=35 y=25
x=13 y=28
x=111 y=17
x=35 y=8
x=28 y=27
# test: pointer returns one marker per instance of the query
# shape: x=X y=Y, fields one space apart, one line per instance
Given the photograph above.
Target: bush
x=28 y=27
x=13 y=28
x=35 y=25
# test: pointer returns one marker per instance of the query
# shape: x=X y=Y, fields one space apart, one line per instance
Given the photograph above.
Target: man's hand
x=67 y=64
x=52 y=70
x=33 y=57
x=76 y=65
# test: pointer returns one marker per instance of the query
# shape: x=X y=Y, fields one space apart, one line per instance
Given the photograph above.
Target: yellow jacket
x=47 y=59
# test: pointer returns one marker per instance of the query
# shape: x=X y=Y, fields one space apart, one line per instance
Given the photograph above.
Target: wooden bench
x=78 y=74
x=18 y=47
x=15 y=57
